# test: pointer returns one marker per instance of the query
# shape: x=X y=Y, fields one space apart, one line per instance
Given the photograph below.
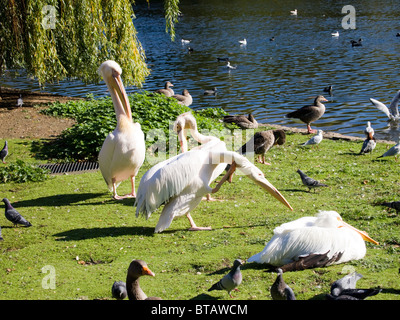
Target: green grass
x=90 y=239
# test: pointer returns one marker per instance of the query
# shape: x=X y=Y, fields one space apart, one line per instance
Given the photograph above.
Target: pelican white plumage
x=123 y=150
x=325 y=237
x=392 y=112
x=181 y=182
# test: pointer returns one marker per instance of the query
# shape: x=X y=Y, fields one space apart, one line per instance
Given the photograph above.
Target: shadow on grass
x=62 y=200
x=87 y=233
x=204 y=296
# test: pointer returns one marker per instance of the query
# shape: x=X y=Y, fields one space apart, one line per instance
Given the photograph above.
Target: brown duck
x=262 y=141
x=136 y=269
x=243 y=122
x=185 y=98
x=167 y=91
x=309 y=114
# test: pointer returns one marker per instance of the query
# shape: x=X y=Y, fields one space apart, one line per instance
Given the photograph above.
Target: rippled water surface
x=272 y=78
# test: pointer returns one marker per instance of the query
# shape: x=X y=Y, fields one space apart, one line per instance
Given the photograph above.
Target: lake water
x=272 y=78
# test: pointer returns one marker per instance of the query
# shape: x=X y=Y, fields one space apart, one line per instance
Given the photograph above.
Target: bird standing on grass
x=4 y=152
x=118 y=290
x=280 y=290
x=309 y=114
x=231 y=280
x=14 y=216
x=315 y=140
x=369 y=143
x=123 y=150
x=310 y=182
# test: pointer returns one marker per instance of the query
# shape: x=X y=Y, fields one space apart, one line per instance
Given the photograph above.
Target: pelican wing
x=164 y=181
x=105 y=158
x=381 y=107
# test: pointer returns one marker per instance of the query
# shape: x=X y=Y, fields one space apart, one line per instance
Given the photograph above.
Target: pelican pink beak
x=119 y=88
x=363 y=234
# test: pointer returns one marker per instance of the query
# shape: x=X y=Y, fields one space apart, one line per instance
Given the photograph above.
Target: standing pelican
x=311 y=242
x=123 y=150
x=392 y=112
x=180 y=182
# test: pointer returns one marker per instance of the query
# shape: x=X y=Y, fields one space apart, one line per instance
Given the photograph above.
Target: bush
x=21 y=172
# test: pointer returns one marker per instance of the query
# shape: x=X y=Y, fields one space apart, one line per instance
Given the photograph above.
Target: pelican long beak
x=147 y=272
x=182 y=140
x=363 y=234
x=123 y=97
x=265 y=184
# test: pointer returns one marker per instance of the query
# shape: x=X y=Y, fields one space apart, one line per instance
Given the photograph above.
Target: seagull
x=335 y=34
x=393 y=151
x=14 y=216
x=393 y=205
x=20 y=102
x=243 y=42
x=369 y=143
x=315 y=139
x=309 y=182
x=309 y=114
x=280 y=290
x=311 y=242
x=392 y=112
x=231 y=280
x=185 y=41
x=4 y=152
x=228 y=65
x=293 y=12
x=118 y=290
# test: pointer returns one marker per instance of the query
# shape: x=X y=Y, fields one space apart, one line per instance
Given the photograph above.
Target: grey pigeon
x=4 y=152
x=347 y=282
x=280 y=290
x=231 y=280
x=118 y=290
x=394 y=205
x=309 y=182
x=14 y=216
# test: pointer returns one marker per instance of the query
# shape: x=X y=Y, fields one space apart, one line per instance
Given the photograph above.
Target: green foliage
x=96 y=119
x=21 y=172
x=54 y=40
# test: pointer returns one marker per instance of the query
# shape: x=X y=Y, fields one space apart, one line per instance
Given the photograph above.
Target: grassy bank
x=90 y=239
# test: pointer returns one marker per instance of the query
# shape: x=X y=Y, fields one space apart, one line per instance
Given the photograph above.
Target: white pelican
x=392 y=112
x=325 y=237
x=181 y=182
x=123 y=150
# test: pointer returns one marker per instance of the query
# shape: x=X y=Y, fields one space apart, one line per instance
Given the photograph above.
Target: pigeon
x=393 y=151
x=118 y=290
x=20 y=102
x=280 y=290
x=231 y=280
x=315 y=139
x=347 y=282
x=4 y=152
x=14 y=216
x=394 y=205
x=309 y=182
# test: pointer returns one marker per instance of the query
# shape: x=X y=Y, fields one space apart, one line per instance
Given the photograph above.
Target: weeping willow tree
x=68 y=39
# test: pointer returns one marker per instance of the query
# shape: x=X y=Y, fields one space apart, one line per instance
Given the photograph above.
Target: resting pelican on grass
x=123 y=150
x=181 y=182
x=311 y=242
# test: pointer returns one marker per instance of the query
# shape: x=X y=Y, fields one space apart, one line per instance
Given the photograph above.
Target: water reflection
x=272 y=78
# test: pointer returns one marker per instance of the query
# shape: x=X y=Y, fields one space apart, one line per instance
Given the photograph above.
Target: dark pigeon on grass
x=231 y=280
x=118 y=290
x=280 y=290
x=14 y=216
x=310 y=183
x=347 y=282
x=4 y=152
